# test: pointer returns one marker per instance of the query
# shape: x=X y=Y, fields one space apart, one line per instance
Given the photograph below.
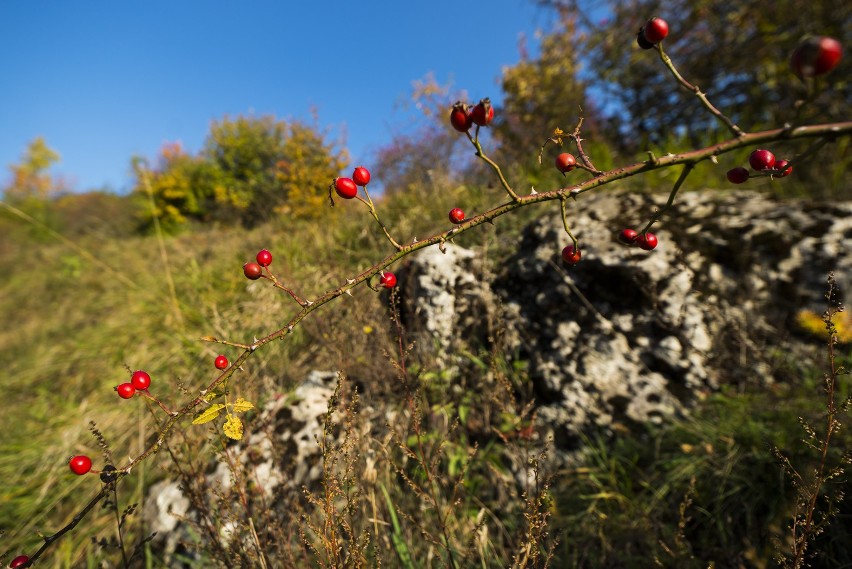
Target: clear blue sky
x=103 y=81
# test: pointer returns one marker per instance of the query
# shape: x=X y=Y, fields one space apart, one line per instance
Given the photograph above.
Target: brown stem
x=735 y=130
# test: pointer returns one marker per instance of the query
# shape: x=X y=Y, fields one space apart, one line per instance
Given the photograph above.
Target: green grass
x=73 y=327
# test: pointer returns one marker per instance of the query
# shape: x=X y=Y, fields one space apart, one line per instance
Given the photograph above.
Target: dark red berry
x=816 y=56
x=640 y=39
x=646 y=241
x=737 y=175
x=571 y=255
x=361 y=176
x=264 y=258
x=140 y=379
x=565 y=162
x=108 y=474
x=456 y=215
x=483 y=113
x=656 y=30
x=761 y=160
x=388 y=280
x=460 y=117
x=345 y=188
x=18 y=561
x=221 y=362
x=252 y=271
x=782 y=166
x=628 y=236
x=80 y=464
x=126 y=390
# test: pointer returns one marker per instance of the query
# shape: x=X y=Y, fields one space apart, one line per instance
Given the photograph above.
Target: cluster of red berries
x=645 y=240
x=254 y=271
x=463 y=116
x=761 y=161
x=653 y=32
x=347 y=188
x=139 y=381
x=816 y=56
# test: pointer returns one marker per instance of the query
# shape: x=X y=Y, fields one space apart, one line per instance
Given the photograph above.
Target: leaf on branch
x=241 y=405
x=233 y=428
x=208 y=414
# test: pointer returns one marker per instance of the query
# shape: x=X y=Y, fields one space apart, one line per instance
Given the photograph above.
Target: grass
x=703 y=488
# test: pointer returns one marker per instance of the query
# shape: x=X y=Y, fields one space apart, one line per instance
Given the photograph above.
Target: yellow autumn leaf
x=208 y=414
x=241 y=405
x=233 y=427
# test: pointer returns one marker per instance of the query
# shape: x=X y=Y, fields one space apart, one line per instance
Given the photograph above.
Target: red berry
x=737 y=175
x=565 y=162
x=656 y=30
x=252 y=271
x=388 y=280
x=140 y=379
x=456 y=215
x=571 y=255
x=264 y=258
x=483 y=113
x=126 y=390
x=345 y=188
x=628 y=236
x=816 y=56
x=80 y=464
x=18 y=561
x=646 y=241
x=460 y=117
x=761 y=160
x=782 y=165
x=640 y=39
x=221 y=362
x=361 y=176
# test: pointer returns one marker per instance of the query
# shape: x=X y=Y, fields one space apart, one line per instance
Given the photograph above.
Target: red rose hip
x=345 y=188
x=782 y=166
x=761 y=160
x=126 y=390
x=737 y=175
x=140 y=379
x=252 y=271
x=628 y=236
x=571 y=255
x=264 y=258
x=80 y=464
x=646 y=241
x=18 y=561
x=483 y=113
x=361 y=176
x=388 y=280
x=656 y=30
x=456 y=215
x=565 y=162
x=460 y=117
x=816 y=56
x=221 y=362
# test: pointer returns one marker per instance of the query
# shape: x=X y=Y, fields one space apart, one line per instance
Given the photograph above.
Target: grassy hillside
x=74 y=326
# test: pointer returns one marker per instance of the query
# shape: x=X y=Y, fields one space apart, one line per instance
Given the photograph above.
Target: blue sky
x=103 y=81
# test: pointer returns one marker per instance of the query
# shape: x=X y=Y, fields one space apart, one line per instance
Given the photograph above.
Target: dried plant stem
x=494 y=166
x=687 y=168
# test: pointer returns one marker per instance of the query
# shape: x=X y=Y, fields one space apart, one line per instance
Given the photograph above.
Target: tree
x=30 y=177
x=250 y=170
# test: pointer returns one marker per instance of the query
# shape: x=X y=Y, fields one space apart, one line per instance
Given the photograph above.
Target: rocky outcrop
x=628 y=336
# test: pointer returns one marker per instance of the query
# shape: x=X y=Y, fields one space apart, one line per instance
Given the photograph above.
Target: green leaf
x=208 y=414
